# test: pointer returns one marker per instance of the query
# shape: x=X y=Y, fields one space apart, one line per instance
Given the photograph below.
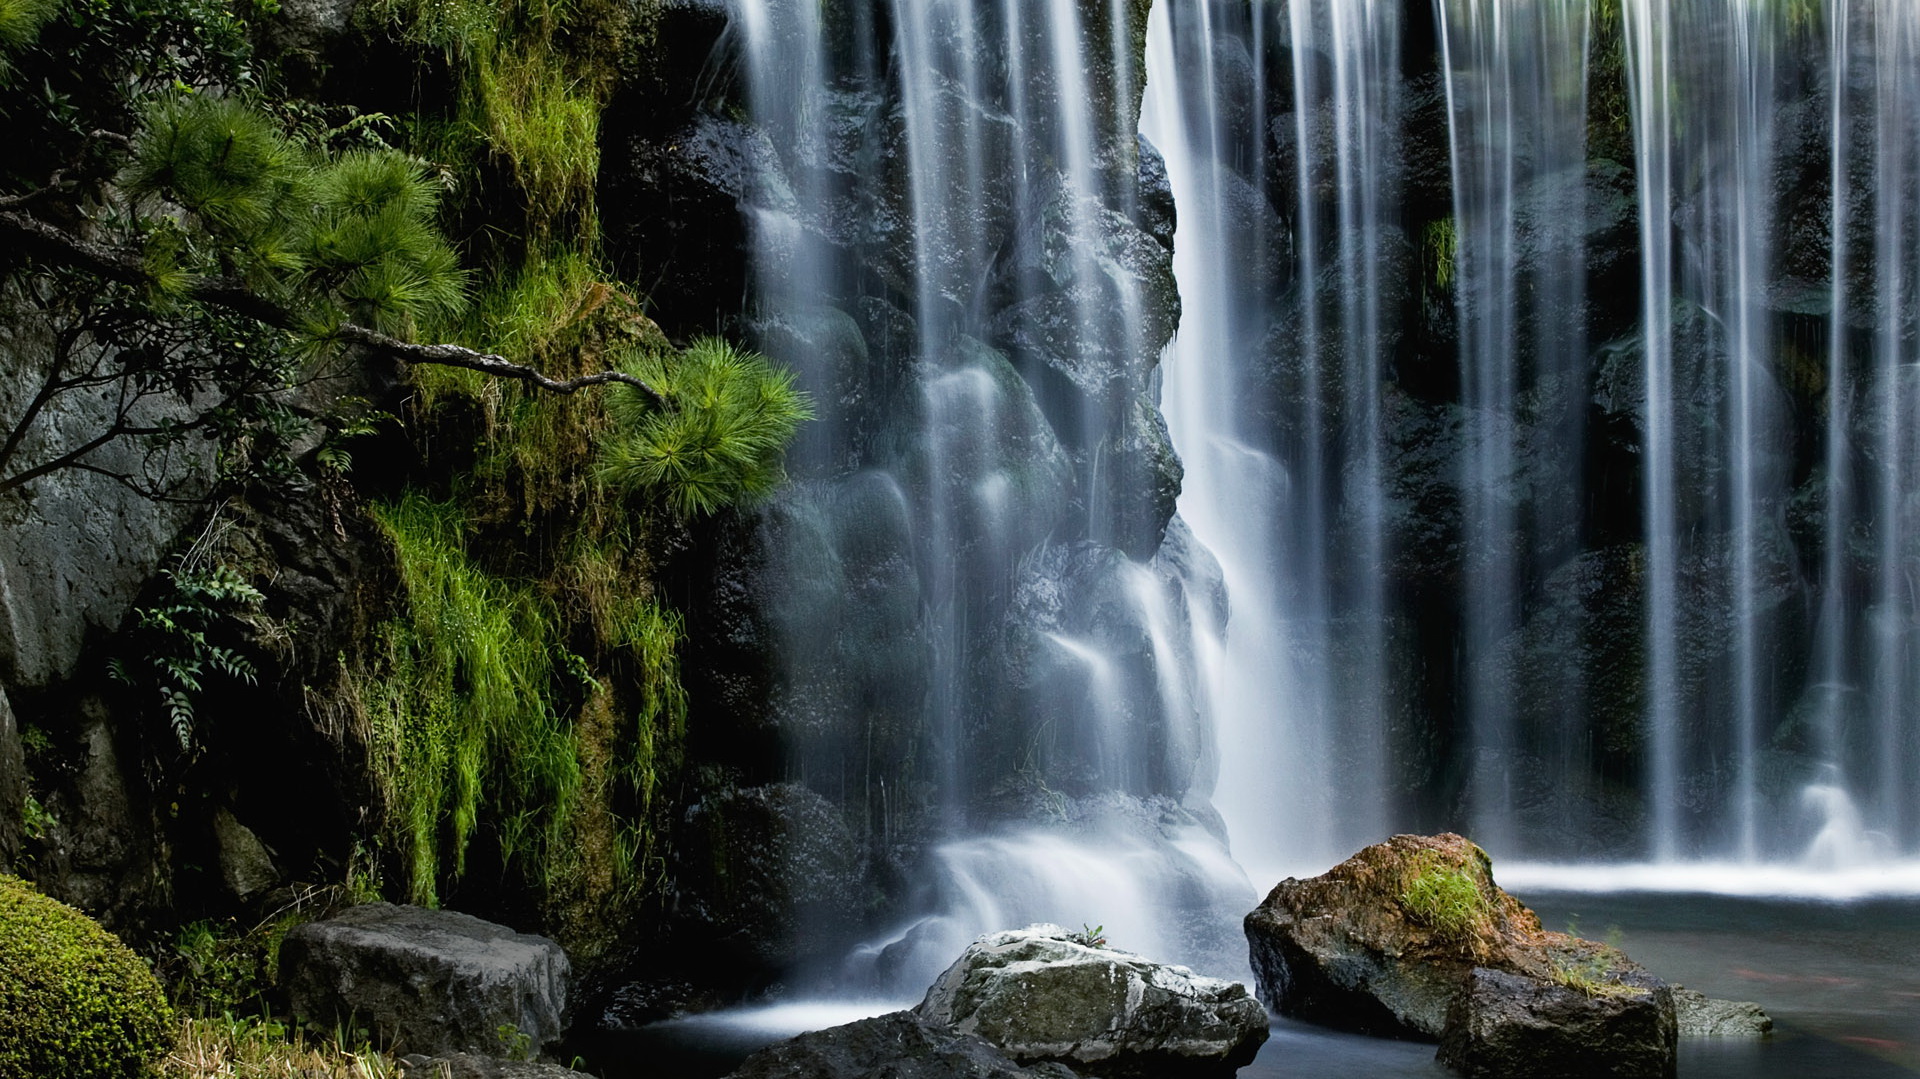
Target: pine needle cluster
x=718 y=441
x=350 y=237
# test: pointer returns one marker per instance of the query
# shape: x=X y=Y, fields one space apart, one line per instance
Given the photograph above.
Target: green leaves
x=352 y=237
x=176 y=656
x=718 y=442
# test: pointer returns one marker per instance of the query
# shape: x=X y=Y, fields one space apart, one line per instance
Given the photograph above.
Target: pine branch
x=58 y=245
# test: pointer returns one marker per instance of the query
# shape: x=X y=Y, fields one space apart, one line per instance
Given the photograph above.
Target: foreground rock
x=1509 y=1026
x=476 y=1066
x=1412 y=938
x=1702 y=1016
x=898 y=1046
x=428 y=981
x=1038 y=994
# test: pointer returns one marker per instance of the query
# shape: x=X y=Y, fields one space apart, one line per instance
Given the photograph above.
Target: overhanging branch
x=58 y=245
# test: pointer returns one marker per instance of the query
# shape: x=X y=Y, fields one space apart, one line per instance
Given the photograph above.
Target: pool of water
x=1842 y=981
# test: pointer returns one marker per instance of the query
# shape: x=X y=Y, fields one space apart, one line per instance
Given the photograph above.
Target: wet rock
x=1511 y=1026
x=1040 y=995
x=428 y=981
x=770 y=874
x=1154 y=210
x=1356 y=947
x=897 y=1046
x=1702 y=1016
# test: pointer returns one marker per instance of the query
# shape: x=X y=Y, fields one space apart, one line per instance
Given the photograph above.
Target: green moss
x=77 y=1003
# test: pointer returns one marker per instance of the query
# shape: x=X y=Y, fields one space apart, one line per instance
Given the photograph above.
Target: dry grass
x=228 y=1048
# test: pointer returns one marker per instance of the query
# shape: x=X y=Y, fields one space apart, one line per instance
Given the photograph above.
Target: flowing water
x=1543 y=383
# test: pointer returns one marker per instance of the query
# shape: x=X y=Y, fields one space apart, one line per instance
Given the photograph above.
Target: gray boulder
x=1702 y=1016
x=1511 y=1026
x=899 y=1046
x=428 y=981
x=1038 y=995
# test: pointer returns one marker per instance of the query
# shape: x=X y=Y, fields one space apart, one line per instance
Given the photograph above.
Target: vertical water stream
x=1545 y=422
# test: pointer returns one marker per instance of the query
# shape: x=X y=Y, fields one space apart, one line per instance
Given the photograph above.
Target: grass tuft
x=1446 y=899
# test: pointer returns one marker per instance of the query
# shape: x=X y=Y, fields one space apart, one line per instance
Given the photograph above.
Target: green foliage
x=35 y=821
x=1090 y=938
x=461 y=718
x=718 y=442
x=353 y=237
x=77 y=1004
x=174 y=656
x=20 y=22
x=1442 y=243
x=1446 y=899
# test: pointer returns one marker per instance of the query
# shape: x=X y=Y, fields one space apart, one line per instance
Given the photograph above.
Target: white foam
x=1791 y=881
x=787 y=1020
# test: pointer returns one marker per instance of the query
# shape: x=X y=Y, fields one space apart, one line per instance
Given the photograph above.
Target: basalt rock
x=1038 y=994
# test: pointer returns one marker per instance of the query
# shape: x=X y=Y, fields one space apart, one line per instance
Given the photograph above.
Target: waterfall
x=1539 y=413
x=1516 y=83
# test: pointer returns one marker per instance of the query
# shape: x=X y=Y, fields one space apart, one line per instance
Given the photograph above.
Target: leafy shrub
x=718 y=441
x=75 y=1001
x=1446 y=899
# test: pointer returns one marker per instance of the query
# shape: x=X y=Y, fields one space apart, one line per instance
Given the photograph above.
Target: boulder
x=899 y=1046
x=1511 y=1026
x=1412 y=938
x=1702 y=1016
x=428 y=981
x=1348 y=949
x=478 y=1066
x=1040 y=994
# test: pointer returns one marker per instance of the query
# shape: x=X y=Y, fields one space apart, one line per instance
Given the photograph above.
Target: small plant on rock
x=1089 y=938
x=1446 y=899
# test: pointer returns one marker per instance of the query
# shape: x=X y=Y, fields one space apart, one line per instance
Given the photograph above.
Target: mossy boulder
x=1384 y=942
x=1412 y=938
x=74 y=1001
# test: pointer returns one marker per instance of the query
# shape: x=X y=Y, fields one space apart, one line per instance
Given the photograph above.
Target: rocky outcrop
x=1702 y=1016
x=1412 y=938
x=1345 y=950
x=1510 y=1026
x=1041 y=994
x=428 y=981
x=900 y=1046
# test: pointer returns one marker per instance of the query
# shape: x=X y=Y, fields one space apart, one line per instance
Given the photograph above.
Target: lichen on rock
x=1037 y=994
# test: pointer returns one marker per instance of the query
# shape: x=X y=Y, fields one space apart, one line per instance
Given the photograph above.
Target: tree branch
x=58 y=245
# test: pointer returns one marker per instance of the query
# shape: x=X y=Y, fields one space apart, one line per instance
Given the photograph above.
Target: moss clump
x=74 y=1001
x=1447 y=899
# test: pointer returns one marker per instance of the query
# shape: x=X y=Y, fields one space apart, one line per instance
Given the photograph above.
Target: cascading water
x=1549 y=466
x=1516 y=82
x=978 y=605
